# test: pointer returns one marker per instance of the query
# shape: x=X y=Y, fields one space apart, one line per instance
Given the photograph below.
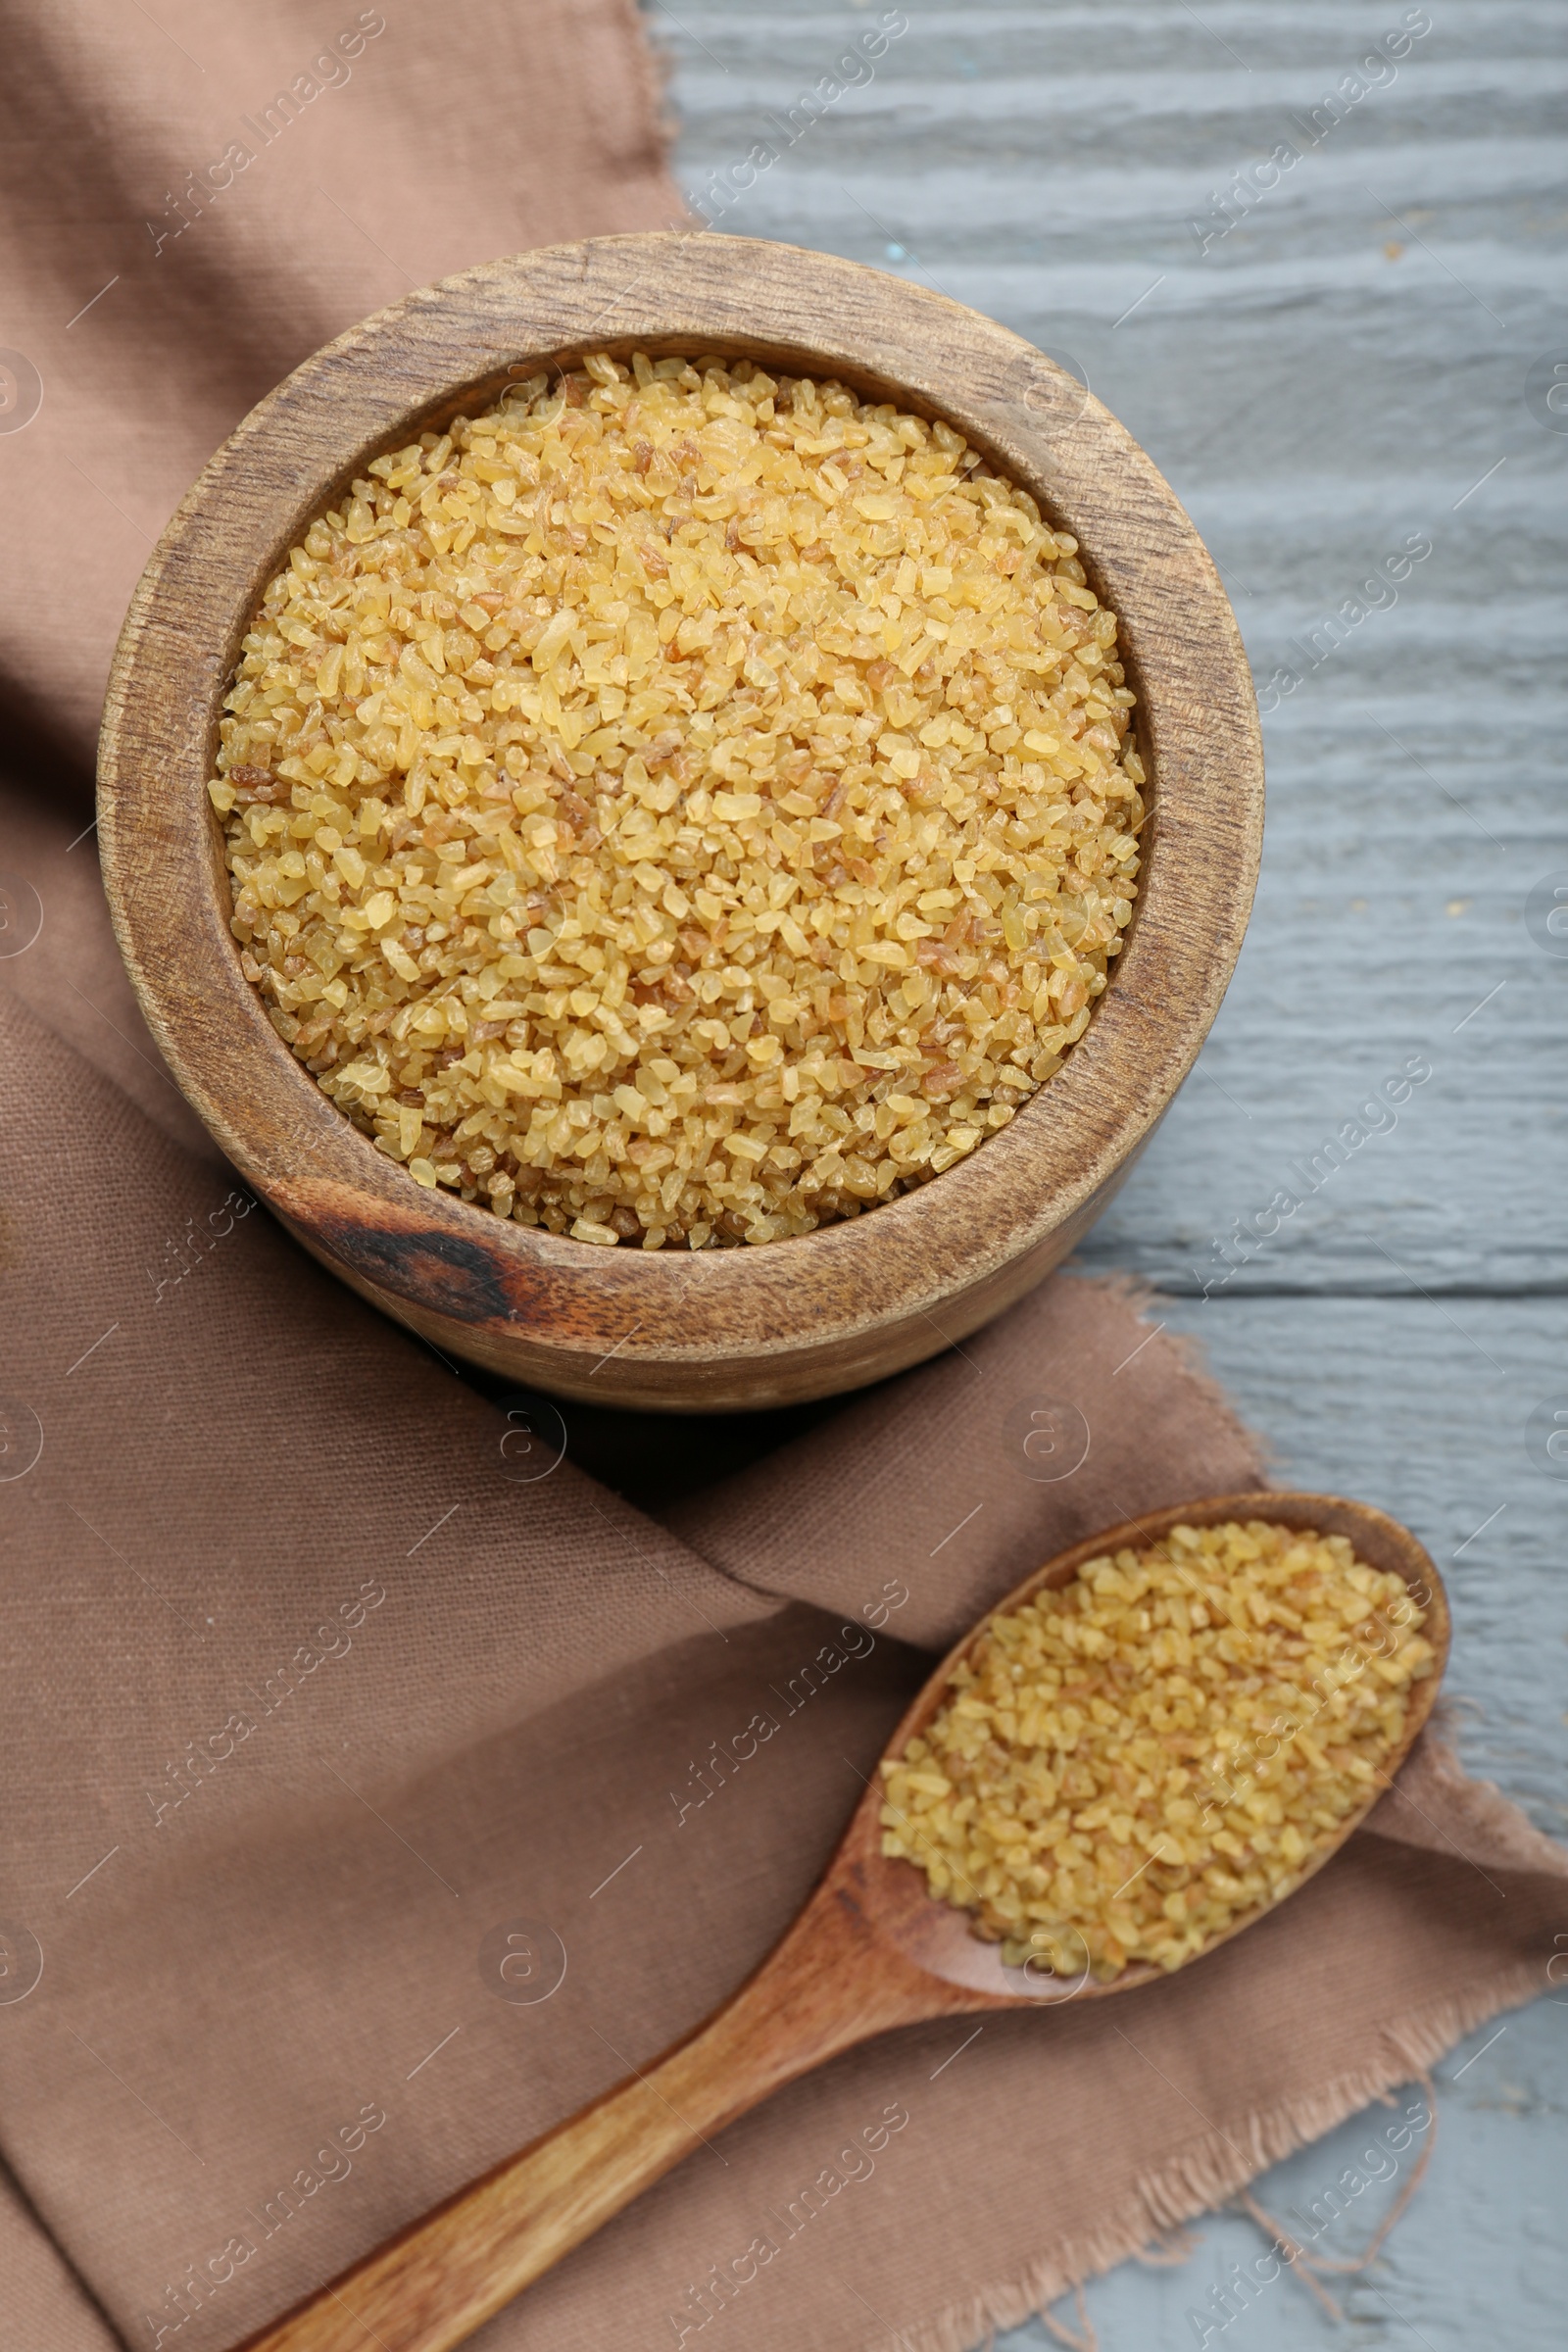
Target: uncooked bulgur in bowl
x=681 y=805
x=713 y=801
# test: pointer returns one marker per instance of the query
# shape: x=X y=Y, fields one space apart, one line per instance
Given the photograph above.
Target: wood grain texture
x=871 y=1950
x=1311 y=397
x=669 y=1330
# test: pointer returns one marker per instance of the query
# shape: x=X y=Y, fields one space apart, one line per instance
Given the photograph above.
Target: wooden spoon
x=873 y=1949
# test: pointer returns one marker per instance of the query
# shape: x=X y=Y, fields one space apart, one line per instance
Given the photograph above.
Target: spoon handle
x=431 y=2288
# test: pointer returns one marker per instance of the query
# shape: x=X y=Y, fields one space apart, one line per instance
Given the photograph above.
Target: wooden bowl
x=679 y=1330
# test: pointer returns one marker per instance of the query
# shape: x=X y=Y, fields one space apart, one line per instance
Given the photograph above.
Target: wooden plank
x=1308 y=442
x=1315 y=398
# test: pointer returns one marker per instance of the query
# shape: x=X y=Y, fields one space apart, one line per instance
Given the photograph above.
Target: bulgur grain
x=681 y=804
x=1133 y=1762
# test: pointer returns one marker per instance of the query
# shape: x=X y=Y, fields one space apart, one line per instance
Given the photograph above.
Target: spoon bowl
x=873 y=1949
x=935 y=1936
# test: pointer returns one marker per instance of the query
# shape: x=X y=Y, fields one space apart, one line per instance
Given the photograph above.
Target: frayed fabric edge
x=657 y=70
x=1203 y=2178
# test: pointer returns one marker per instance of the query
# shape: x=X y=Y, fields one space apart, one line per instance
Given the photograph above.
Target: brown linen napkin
x=307 y=1699
x=307 y=1695
x=193 y=199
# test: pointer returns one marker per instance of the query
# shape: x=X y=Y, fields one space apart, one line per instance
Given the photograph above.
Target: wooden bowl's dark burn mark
x=432 y=1269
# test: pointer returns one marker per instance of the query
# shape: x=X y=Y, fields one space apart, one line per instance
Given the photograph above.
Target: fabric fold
x=1065 y=1415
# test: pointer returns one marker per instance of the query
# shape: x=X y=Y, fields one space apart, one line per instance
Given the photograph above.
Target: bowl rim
x=427 y=357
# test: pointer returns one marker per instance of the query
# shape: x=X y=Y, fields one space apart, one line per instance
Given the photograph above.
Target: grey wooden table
x=1335 y=359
